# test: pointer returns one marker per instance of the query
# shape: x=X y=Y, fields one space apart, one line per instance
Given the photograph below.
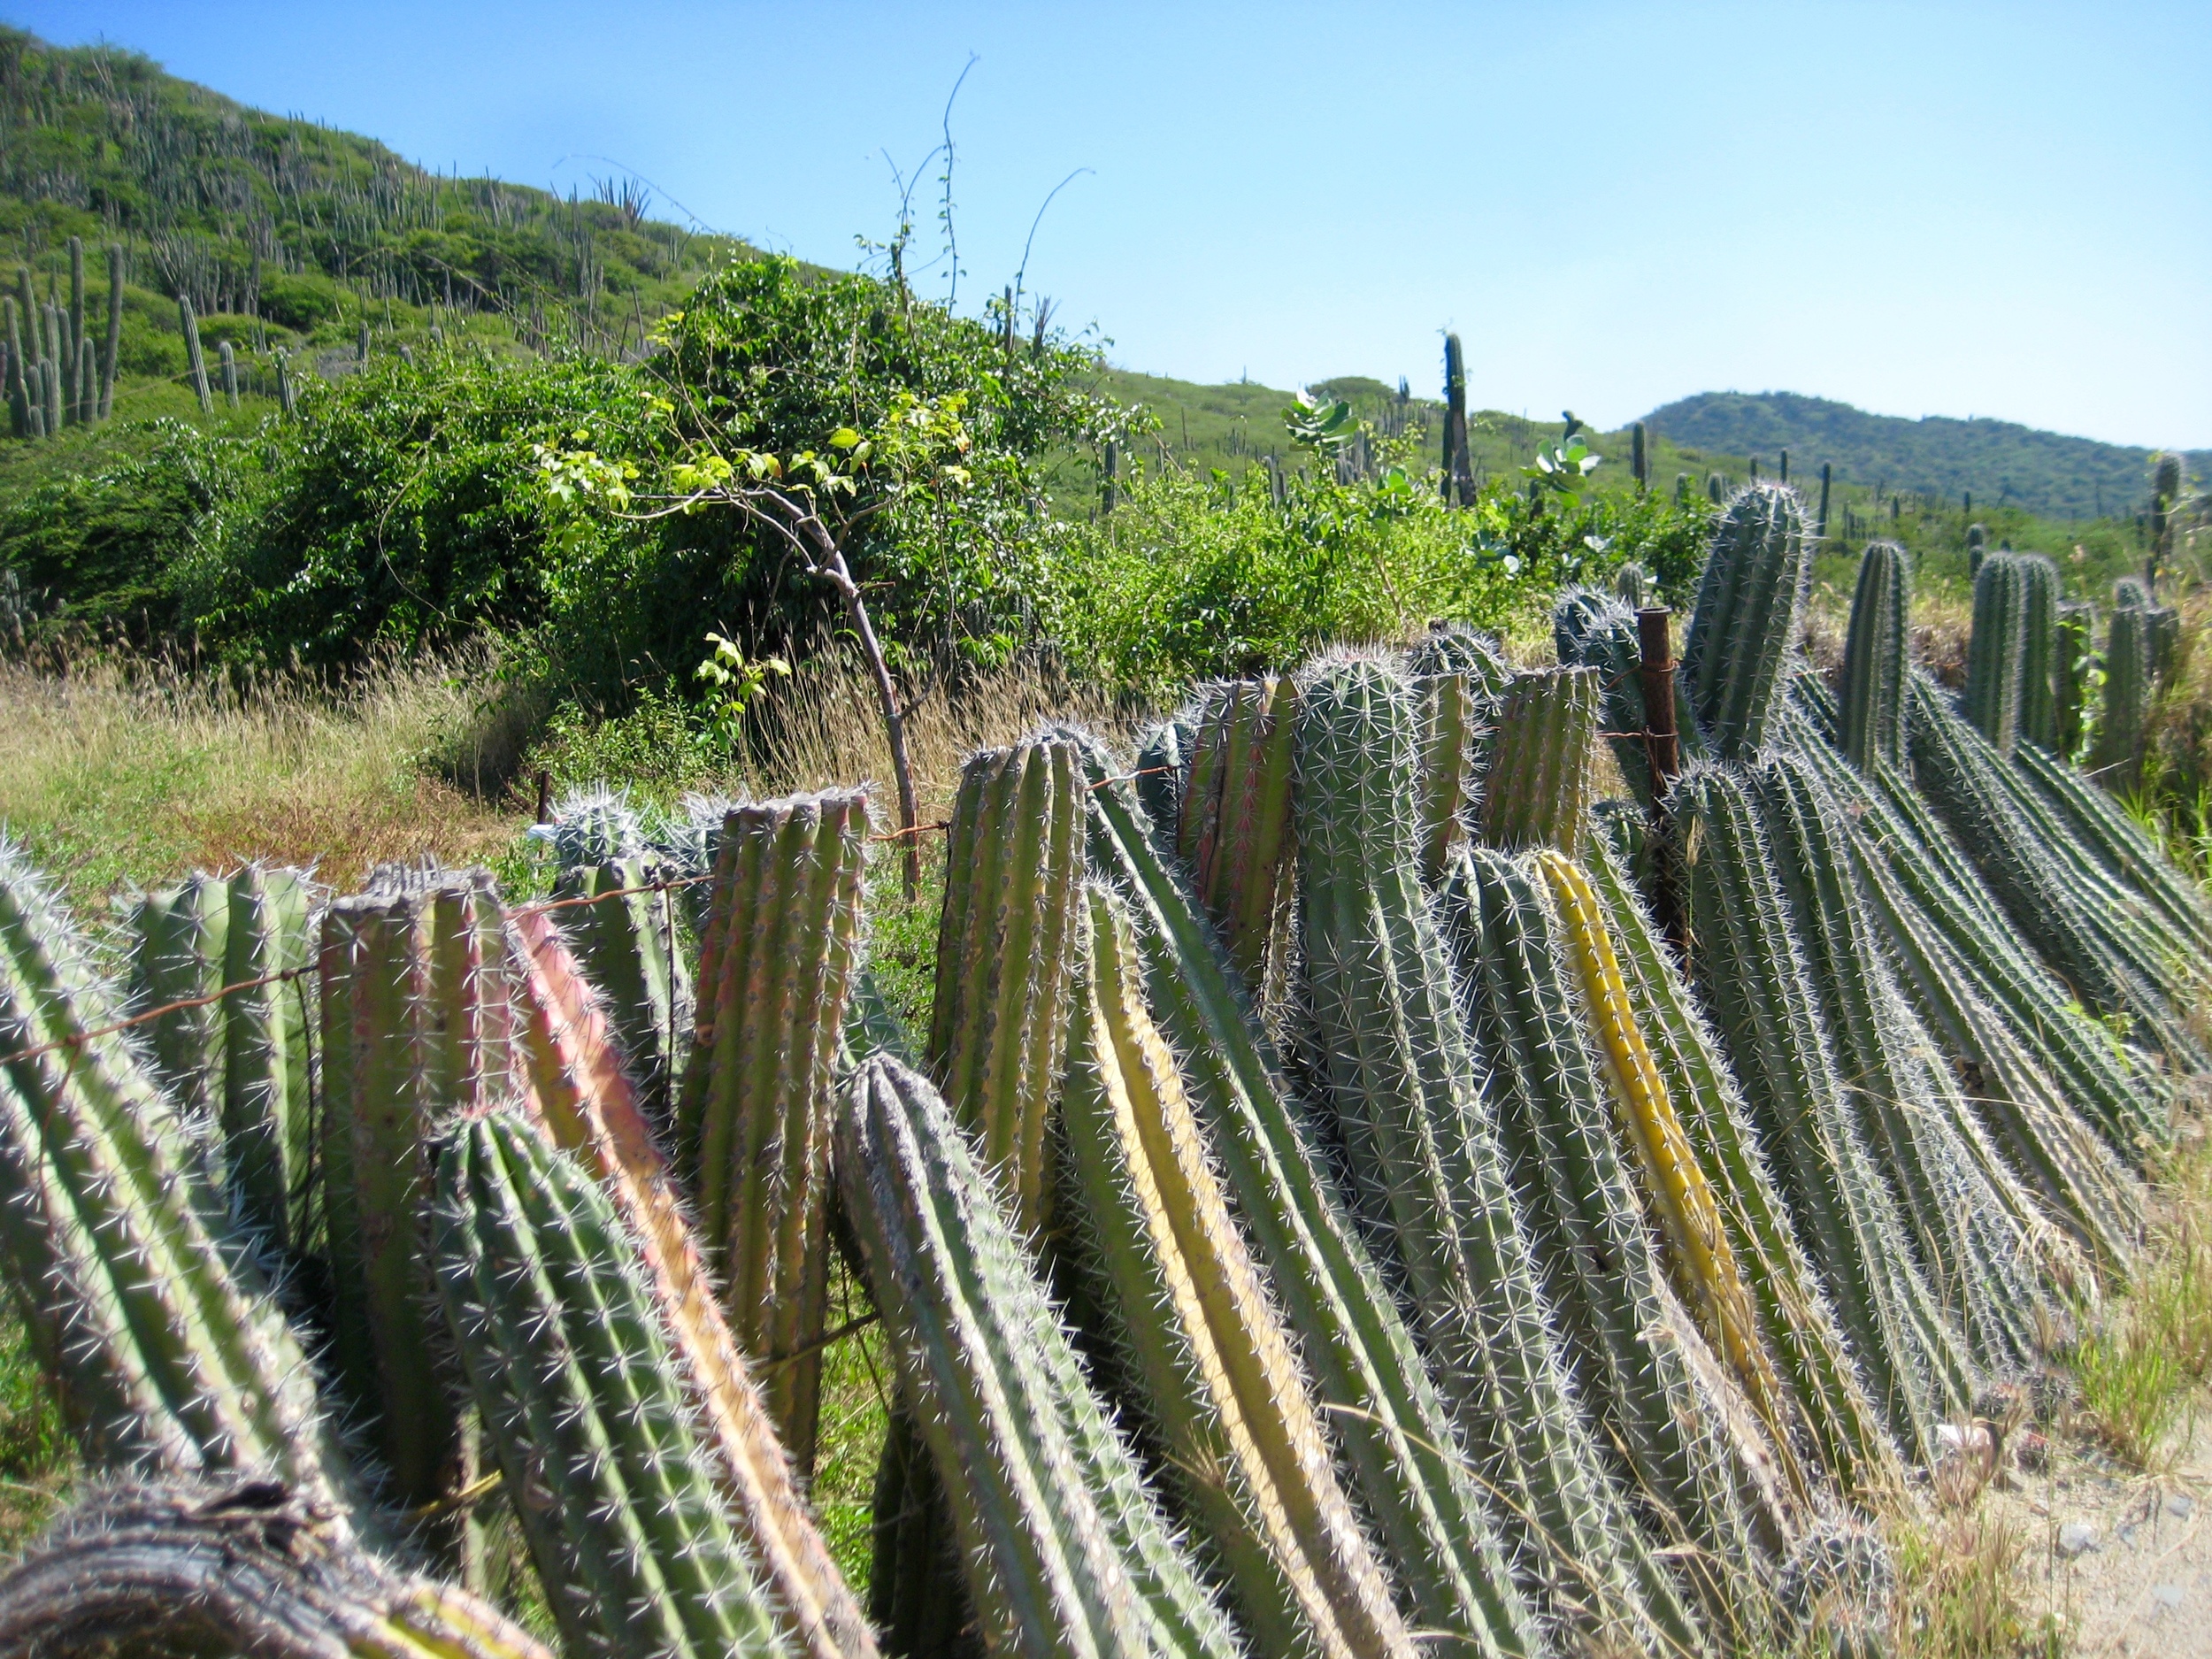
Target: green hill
x=1998 y=462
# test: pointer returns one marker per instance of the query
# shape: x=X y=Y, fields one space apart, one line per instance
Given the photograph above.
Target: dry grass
x=113 y=777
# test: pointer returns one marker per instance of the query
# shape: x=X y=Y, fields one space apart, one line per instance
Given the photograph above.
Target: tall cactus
x=417 y=1021
x=1193 y=1324
x=585 y=1097
x=1754 y=983
x=752 y=1120
x=1234 y=833
x=1425 y=1165
x=244 y=1058
x=1687 y=1437
x=1876 y=657
x=1996 y=652
x=110 y=352
x=2041 y=646
x=1065 y=1550
x=1537 y=786
x=196 y=362
x=1459 y=676
x=573 y=1374
x=1743 y=632
x=1403 y=1455
x=166 y=1350
x=2117 y=758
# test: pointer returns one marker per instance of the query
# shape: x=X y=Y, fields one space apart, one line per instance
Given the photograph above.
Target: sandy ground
x=2139 y=1580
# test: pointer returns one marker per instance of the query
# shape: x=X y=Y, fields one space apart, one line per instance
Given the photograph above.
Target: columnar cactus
x=196 y=364
x=2041 y=648
x=1436 y=1521
x=752 y=1124
x=575 y=1376
x=1459 y=676
x=620 y=918
x=110 y=352
x=244 y=1059
x=1536 y=788
x=1807 y=1344
x=1995 y=657
x=1877 y=656
x=166 y=1350
x=1755 y=983
x=418 y=1021
x=1635 y=586
x=1064 y=1549
x=1194 y=1325
x=1163 y=755
x=1425 y=1165
x=585 y=1099
x=1235 y=832
x=1688 y=1438
x=1744 y=630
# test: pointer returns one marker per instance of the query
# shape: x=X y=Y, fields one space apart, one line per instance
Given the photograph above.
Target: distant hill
x=1998 y=461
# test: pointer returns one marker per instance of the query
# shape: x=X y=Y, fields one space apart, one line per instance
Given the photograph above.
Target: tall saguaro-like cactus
x=1877 y=656
x=776 y=962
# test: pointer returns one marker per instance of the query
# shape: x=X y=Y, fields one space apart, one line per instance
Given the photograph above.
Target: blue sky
x=1923 y=209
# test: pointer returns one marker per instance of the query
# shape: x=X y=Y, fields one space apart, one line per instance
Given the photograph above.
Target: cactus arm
x=180 y=943
x=1996 y=648
x=1235 y=827
x=1437 y=1522
x=1537 y=789
x=1743 y=633
x=1876 y=657
x=267 y=1126
x=1224 y=1391
x=627 y=945
x=590 y=1107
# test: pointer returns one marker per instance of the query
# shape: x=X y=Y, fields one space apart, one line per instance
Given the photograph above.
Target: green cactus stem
x=195 y=363
x=776 y=962
x=1426 y=1168
x=588 y=1104
x=1877 y=656
x=1743 y=633
x=1234 y=836
x=418 y=1021
x=111 y=351
x=164 y=1348
x=1996 y=653
x=1437 y=1524
x=1537 y=787
x=1064 y=1549
x=2041 y=647
x=620 y=918
x=576 y=1379
x=1190 y=1320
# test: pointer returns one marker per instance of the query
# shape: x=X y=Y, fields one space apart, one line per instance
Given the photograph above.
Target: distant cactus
x=1996 y=652
x=288 y=395
x=1459 y=478
x=1976 y=550
x=196 y=364
x=1638 y=464
x=111 y=351
x=1682 y=490
x=1716 y=488
x=1820 y=526
x=2041 y=668
x=1635 y=586
x=229 y=358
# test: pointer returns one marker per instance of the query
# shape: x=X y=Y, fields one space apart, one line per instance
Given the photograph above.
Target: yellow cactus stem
x=1689 y=1214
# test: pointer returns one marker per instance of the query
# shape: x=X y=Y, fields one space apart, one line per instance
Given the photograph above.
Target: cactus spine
x=573 y=1374
x=1744 y=629
x=1876 y=657
x=588 y=1105
x=752 y=1121
x=1213 y=1362
x=1536 y=791
x=1064 y=1549
x=164 y=1349
x=417 y=1021
x=1995 y=654
x=1755 y=985
x=1425 y=1162
x=1395 y=1435
x=2040 y=646
x=1234 y=835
